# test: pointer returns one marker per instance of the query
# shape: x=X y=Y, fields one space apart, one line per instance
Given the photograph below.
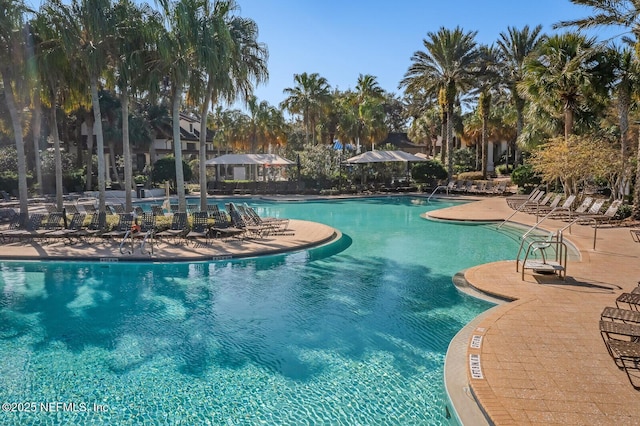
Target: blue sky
x=342 y=39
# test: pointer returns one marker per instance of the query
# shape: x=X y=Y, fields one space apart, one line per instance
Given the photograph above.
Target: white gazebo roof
x=248 y=159
x=383 y=157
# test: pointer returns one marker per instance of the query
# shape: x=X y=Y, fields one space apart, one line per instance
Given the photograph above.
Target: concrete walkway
x=304 y=234
x=540 y=360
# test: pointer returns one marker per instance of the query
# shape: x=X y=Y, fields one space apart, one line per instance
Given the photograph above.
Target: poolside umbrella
x=383 y=157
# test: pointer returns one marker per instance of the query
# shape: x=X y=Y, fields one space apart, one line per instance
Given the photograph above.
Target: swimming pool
x=358 y=337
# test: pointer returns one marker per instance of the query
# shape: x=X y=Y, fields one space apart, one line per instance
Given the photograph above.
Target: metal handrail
x=435 y=190
x=124 y=240
x=148 y=237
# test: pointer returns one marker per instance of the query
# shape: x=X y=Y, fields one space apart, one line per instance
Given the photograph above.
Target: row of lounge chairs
x=484 y=187
x=620 y=331
x=240 y=221
x=549 y=205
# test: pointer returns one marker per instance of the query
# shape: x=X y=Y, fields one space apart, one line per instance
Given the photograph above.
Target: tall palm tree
x=623 y=13
x=487 y=82
x=515 y=46
x=13 y=70
x=177 y=57
x=134 y=33
x=565 y=77
x=232 y=60
x=307 y=98
x=55 y=75
x=445 y=69
x=371 y=115
x=625 y=87
x=87 y=33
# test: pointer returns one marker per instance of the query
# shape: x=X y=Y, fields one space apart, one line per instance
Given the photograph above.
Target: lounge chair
x=619 y=331
x=627 y=356
x=51 y=208
x=89 y=208
x=588 y=204
x=605 y=217
x=125 y=221
x=518 y=201
x=199 y=227
x=74 y=230
x=55 y=222
x=544 y=208
x=631 y=300
x=179 y=227
x=635 y=234
x=272 y=225
x=620 y=315
x=518 y=198
x=223 y=228
x=139 y=211
x=501 y=188
x=25 y=228
x=564 y=209
x=70 y=208
x=157 y=210
x=533 y=205
x=97 y=226
x=238 y=222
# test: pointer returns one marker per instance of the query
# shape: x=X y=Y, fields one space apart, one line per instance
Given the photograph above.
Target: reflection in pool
x=353 y=333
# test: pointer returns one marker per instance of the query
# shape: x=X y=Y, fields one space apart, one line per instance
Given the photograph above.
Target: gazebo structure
x=245 y=166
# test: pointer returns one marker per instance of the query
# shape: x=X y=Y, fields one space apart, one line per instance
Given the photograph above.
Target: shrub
x=464 y=160
x=428 y=171
x=470 y=176
x=165 y=169
x=524 y=175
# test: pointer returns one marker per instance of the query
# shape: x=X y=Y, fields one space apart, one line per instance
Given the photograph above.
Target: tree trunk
x=635 y=213
x=202 y=167
x=97 y=118
x=177 y=149
x=37 y=132
x=519 y=127
x=90 y=132
x=126 y=150
x=450 y=140
x=57 y=159
x=623 y=117
x=443 y=140
x=568 y=122
x=113 y=162
x=16 y=122
x=485 y=147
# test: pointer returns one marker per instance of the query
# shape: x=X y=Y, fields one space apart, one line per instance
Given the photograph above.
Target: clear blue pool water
x=324 y=336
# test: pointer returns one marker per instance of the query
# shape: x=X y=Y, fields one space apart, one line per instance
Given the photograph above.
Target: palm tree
x=308 y=98
x=55 y=76
x=177 y=57
x=12 y=68
x=445 y=69
x=232 y=60
x=86 y=28
x=623 y=13
x=515 y=47
x=488 y=81
x=371 y=114
x=565 y=77
x=134 y=33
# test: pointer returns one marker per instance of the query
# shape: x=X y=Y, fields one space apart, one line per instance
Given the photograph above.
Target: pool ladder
x=435 y=190
x=127 y=240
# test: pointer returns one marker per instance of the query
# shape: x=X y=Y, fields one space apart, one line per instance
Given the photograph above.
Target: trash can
x=140 y=190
